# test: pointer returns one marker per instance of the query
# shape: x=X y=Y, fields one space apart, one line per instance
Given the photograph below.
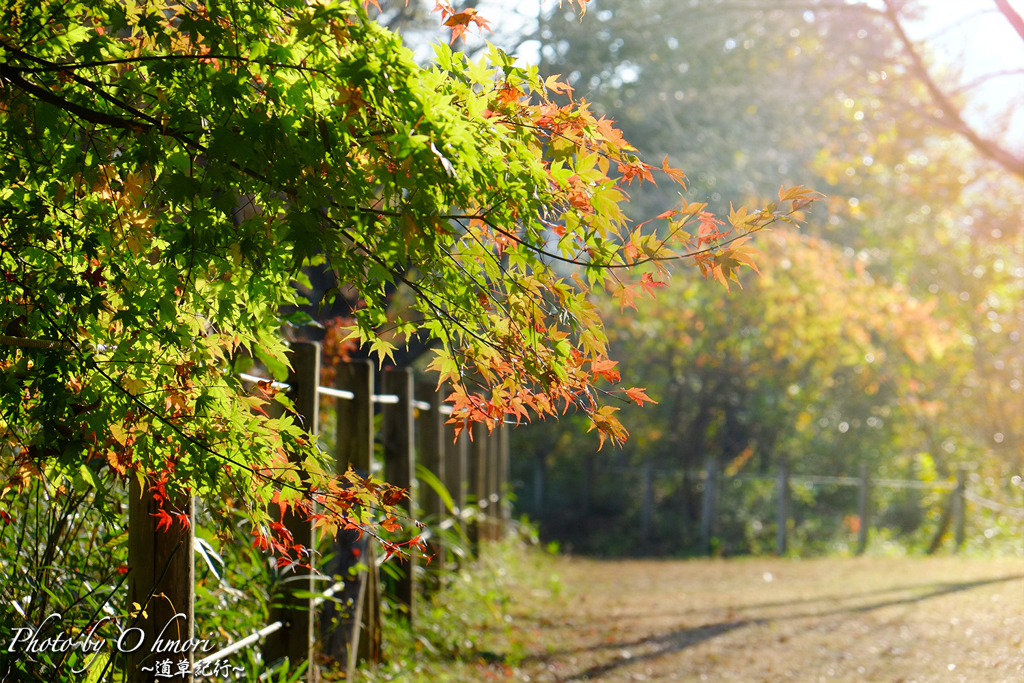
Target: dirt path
x=863 y=620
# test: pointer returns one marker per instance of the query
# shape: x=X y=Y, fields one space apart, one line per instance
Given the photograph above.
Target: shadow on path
x=934 y=588
x=681 y=639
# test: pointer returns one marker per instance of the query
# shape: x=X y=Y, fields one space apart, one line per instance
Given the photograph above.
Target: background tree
x=829 y=96
x=813 y=362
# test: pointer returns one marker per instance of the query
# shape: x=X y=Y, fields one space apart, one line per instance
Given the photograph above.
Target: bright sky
x=973 y=36
x=967 y=35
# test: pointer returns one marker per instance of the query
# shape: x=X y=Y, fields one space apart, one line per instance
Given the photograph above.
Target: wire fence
x=702 y=514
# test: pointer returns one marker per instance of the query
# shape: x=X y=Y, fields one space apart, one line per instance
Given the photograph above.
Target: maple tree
x=174 y=166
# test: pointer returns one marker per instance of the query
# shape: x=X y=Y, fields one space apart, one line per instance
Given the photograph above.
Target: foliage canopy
x=172 y=166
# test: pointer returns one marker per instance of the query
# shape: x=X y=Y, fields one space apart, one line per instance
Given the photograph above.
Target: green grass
x=467 y=630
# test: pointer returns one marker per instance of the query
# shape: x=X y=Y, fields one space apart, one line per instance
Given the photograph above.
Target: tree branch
x=1011 y=16
x=10 y=74
x=27 y=343
x=982 y=80
x=989 y=148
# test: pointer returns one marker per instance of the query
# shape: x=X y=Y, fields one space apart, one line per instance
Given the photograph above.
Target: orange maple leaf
x=460 y=21
x=554 y=85
x=630 y=250
x=508 y=93
x=626 y=294
x=583 y=6
x=613 y=137
x=119 y=460
x=607 y=425
x=605 y=368
x=639 y=395
x=673 y=173
x=637 y=169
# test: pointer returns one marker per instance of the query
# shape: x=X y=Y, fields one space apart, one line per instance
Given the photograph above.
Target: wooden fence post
x=707 y=508
x=505 y=508
x=354 y=445
x=959 y=510
x=477 y=528
x=647 y=509
x=782 y=490
x=539 y=476
x=587 y=485
x=162 y=582
x=493 y=484
x=863 y=503
x=456 y=463
x=430 y=434
x=350 y=628
x=400 y=467
x=294 y=607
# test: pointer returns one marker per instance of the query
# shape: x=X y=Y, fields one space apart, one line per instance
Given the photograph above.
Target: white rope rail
x=328 y=594
x=389 y=399
x=336 y=393
x=265 y=631
x=238 y=645
x=887 y=483
x=815 y=479
x=804 y=479
x=253 y=379
x=913 y=484
x=993 y=505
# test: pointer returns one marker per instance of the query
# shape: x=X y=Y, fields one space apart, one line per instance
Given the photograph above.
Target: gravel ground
x=910 y=620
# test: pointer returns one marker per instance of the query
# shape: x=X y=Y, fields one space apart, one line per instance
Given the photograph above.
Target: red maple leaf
x=184 y=519
x=649 y=284
x=393 y=497
x=163 y=520
x=281 y=530
x=261 y=542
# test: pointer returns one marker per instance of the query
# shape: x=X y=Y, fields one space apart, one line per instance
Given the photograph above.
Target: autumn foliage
x=174 y=166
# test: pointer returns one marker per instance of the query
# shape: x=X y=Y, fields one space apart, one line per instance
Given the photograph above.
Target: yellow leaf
x=118 y=433
x=383 y=349
x=135 y=387
x=445 y=366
